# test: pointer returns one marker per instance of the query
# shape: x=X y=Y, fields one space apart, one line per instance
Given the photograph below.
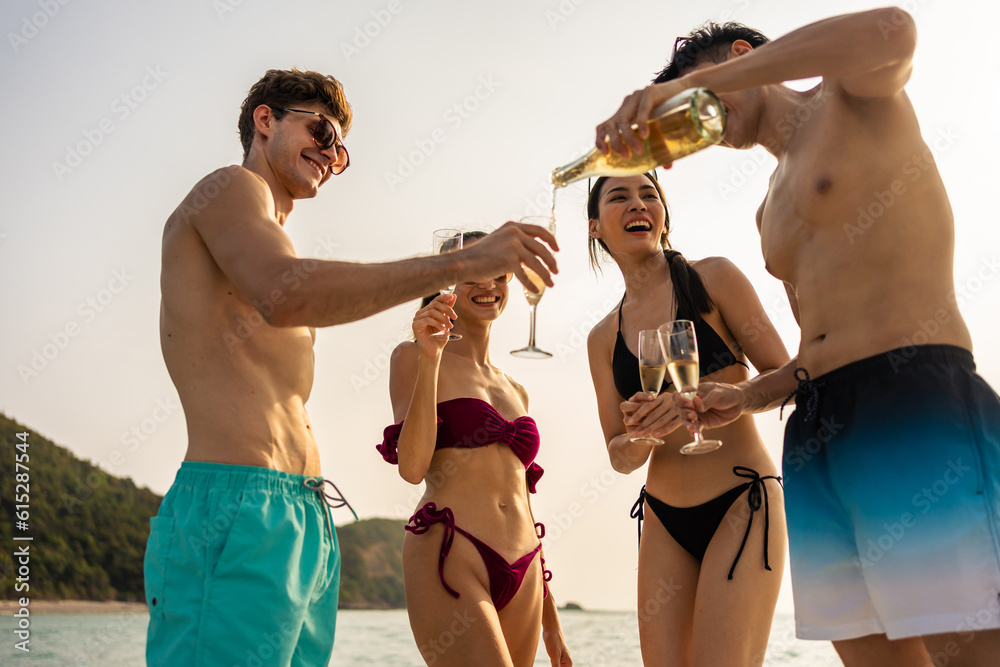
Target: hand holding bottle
x=625 y=132
x=683 y=124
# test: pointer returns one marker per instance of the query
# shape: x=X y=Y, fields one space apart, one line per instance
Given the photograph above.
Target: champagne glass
x=652 y=368
x=680 y=348
x=532 y=351
x=447 y=240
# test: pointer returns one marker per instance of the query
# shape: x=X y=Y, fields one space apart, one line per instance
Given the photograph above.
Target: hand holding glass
x=652 y=368
x=447 y=240
x=680 y=348
x=532 y=351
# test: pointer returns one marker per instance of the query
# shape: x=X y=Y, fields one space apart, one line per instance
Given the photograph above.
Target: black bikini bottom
x=694 y=527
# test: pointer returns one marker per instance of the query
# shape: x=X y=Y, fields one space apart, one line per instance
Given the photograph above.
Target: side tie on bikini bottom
x=505 y=578
x=757 y=489
x=677 y=519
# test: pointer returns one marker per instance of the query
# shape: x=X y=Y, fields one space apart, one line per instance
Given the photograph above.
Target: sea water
x=365 y=638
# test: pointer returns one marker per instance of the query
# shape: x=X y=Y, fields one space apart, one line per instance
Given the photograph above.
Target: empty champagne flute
x=447 y=240
x=680 y=349
x=652 y=368
x=532 y=351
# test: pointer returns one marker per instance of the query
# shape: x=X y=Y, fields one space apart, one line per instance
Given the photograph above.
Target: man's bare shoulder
x=226 y=192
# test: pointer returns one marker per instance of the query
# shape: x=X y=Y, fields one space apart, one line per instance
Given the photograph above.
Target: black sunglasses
x=500 y=280
x=326 y=137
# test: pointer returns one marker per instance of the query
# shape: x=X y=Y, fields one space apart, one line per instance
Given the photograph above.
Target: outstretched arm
x=239 y=228
x=866 y=54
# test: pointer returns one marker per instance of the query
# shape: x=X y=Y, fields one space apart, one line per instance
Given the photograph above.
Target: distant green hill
x=90 y=530
x=371 y=575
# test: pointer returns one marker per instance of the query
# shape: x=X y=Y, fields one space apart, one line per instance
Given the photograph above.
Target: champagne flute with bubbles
x=680 y=349
x=447 y=240
x=652 y=369
x=532 y=351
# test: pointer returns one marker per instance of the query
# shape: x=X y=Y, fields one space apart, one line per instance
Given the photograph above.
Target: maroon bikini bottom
x=505 y=578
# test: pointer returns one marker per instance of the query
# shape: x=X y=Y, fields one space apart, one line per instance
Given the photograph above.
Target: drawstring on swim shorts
x=805 y=385
x=318 y=486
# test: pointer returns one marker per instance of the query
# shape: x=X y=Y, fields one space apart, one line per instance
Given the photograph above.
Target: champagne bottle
x=684 y=124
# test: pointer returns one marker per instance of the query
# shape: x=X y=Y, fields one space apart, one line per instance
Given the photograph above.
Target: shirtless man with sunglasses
x=888 y=406
x=242 y=564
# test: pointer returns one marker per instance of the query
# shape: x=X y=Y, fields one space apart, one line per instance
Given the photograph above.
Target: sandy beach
x=8 y=607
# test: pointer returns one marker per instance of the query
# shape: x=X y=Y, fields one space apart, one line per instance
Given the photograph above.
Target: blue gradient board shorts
x=242 y=569
x=892 y=494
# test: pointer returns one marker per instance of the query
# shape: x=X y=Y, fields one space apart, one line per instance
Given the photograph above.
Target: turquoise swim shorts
x=242 y=568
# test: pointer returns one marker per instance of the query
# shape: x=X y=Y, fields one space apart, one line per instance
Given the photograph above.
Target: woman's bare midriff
x=486 y=489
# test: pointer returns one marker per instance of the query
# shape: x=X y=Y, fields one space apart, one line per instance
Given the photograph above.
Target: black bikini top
x=713 y=354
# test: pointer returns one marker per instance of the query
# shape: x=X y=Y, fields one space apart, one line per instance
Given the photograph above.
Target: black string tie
x=318 y=486
x=757 y=490
x=806 y=385
x=637 y=510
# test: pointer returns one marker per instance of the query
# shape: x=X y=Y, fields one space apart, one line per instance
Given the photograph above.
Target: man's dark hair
x=711 y=42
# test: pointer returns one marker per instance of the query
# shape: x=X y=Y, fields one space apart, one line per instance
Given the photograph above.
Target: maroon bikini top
x=470 y=423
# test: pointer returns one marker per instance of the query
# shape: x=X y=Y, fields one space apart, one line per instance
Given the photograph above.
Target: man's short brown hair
x=288 y=88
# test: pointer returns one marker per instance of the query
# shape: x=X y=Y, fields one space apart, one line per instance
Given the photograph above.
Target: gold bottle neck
x=574 y=171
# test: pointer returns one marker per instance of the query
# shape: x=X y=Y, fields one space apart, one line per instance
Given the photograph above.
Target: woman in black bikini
x=713 y=548
x=473 y=567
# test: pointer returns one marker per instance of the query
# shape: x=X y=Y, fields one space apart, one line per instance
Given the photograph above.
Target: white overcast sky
x=115 y=109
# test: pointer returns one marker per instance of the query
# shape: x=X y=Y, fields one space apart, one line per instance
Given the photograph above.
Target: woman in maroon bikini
x=712 y=546
x=478 y=597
